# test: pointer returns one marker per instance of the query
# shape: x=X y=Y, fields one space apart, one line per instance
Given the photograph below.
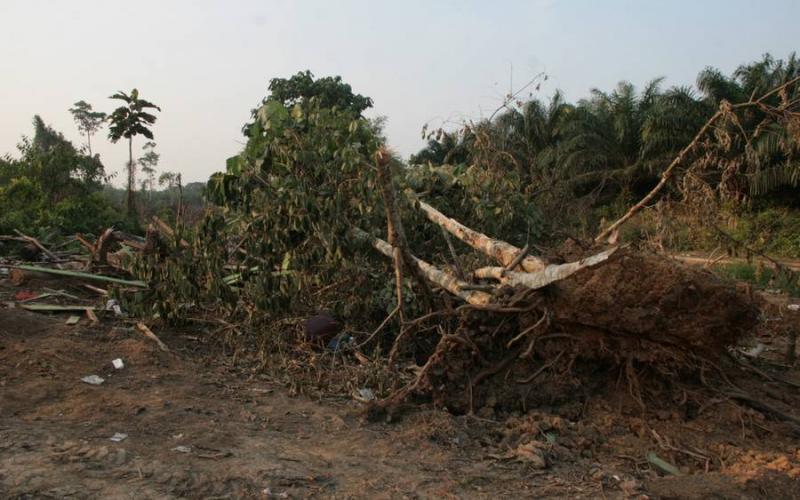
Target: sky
x=208 y=63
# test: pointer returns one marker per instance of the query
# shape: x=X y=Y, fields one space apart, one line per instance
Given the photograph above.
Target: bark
x=396 y=235
x=131 y=180
x=434 y=274
x=503 y=252
x=544 y=277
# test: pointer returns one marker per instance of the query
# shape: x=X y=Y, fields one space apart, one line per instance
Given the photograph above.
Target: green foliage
x=301 y=89
x=761 y=276
x=491 y=203
x=88 y=120
x=772 y=230
x=287 y=205
x=132 y=119
x=585 y=160
x=52 y=185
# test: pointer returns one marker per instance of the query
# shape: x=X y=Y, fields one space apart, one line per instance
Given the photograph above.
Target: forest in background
x=535 y=172
x=53 y=188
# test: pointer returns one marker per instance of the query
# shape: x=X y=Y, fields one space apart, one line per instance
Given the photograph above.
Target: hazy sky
x=207 y=63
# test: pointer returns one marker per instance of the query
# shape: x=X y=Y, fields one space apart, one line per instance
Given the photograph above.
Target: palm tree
x=533 y=133
x=606 y=134
x=768 y=157
x=129 y=121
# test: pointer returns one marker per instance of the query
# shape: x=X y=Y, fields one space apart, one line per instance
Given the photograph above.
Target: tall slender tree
x=149 y=161
x=128 y=121
x=88 y=120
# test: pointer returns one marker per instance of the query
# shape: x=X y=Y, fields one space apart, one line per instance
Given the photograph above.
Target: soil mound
x=638 y=317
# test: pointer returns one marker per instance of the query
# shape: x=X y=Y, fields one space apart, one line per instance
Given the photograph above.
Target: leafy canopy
x=52 y=185
x=131 y=119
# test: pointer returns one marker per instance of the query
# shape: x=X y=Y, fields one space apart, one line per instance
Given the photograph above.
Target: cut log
x=503 y=252
x=41 y=247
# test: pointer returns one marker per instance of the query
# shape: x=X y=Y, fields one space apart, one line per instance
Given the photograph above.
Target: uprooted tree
x=300 y=225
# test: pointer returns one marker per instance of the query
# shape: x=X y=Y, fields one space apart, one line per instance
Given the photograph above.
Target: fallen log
x=433 y=274
x=55 y=308
x=18 y=277
x=33 y=241
x=503 y=252
x=548 y=275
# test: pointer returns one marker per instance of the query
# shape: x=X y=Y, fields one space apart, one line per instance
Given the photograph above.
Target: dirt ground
x=199 y=427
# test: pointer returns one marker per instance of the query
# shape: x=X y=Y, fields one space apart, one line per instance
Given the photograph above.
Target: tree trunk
x=131 y=179
x=180 y=199
x=542 y=278
x=396 y=234
x=433 y=274
x=503 y=252
x=89 y=142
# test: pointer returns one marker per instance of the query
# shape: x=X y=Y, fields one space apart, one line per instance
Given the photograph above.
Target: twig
x=95 y=289
x=87 y=276
x=528 y=330
x=380 y=327
x=542 y=369
x=488 y=372
x=152 y=336
x=665 y=177
x=765 y=408
x=408 y=328
x=456 y=263
x=394 y=227
x=521 y=255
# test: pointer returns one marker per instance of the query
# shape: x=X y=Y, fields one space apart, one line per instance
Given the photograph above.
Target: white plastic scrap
x=182 y=449
x=365 y=395
x=119 y=436
x=118 y=364
x=113 y=305
x=93 y=379
x=793 y=307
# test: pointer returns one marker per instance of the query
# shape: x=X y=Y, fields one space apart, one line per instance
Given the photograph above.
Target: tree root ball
x=651 y=297
x=640 y=318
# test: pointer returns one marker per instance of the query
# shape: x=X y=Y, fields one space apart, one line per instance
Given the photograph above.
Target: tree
x=88 y=121
x=53 y=185
x=173 y=180
x=129 y=121
x=149 y=161
x=328 y=92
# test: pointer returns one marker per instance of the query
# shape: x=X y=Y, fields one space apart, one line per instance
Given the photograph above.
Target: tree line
x=612 y=146
x=53 y=184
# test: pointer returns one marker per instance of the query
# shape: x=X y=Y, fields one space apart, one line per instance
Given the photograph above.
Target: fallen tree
x=617 y=311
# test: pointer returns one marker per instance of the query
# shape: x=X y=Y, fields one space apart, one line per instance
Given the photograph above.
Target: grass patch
x=761 y=276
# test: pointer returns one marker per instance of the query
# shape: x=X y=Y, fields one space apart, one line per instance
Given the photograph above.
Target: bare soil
x=200 y=425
